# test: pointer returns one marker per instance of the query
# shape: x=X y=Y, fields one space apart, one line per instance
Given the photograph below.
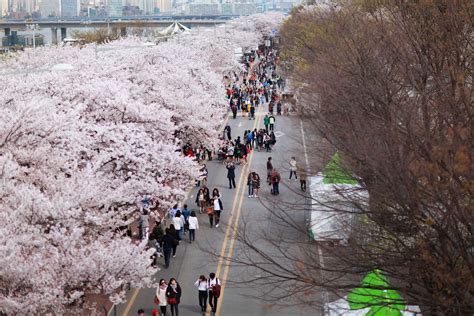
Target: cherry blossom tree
x=80 y=148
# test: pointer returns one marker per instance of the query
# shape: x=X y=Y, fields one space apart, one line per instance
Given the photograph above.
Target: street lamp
x=33 y=27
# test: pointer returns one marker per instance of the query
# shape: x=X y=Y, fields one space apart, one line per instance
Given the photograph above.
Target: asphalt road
x=195 y=259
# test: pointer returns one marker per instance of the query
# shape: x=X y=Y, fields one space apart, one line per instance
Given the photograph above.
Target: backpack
x=216 y=288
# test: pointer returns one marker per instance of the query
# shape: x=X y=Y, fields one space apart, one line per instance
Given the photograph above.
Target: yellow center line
x=132 y=299
x=234 y=224
x=137 y=291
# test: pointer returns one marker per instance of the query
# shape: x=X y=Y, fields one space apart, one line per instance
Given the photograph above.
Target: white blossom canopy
x=80 y=147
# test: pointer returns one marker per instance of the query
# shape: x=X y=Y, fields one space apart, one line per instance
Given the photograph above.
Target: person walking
x=172 y=211
x=250 y=184
x=169 y=243
x=143 y=225
x=293 y=168
x=255 y=184
x=141 y=312
x=269 y=169
x=173 y=294
x=178 y=223
x=217 y=210
x=201 y=284
x=186 y=213
x=193 y=226
x=231 y=174
x=201 y=200
x=175 y=233
x=228 y=132
x=214 y=287
x=302 y=180
x=266 y=122
x=160 y=296
x=275 y=181
x=271 y=121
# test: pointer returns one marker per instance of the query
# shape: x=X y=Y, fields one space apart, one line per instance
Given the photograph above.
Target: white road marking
x=280 y=134
x=308 y=172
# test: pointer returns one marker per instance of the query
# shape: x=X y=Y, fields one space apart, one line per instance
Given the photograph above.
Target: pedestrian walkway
x=239 y=152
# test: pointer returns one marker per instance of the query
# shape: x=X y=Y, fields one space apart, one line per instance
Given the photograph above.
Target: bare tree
x=389 y=85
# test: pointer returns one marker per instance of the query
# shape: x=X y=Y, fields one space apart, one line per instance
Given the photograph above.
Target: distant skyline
x=19 y=9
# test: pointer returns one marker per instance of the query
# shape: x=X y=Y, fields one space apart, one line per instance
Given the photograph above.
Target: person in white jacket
x=178 y=222
x=201 y=284
x=160 y=296
x=193 y=226
x=293 y=168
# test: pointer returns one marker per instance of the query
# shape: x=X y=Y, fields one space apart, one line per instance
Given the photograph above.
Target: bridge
x=115 y=23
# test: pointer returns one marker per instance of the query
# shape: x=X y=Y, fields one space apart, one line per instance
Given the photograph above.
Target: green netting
x=334 y=173
x=377 y=295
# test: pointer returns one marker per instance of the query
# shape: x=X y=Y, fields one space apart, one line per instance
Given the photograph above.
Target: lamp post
x=33 y=27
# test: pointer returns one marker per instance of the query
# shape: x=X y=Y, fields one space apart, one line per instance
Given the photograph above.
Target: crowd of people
x=256 y=86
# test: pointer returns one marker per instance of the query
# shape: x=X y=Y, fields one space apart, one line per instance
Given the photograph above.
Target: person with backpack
x=214 y=287
x=193 y=226
x=160 y=296
x=173 y=295
x=201 y=284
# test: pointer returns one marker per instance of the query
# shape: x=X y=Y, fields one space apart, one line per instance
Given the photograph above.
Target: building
x=147 y=7
x=3 y=7
x=22 y=40
x=50 y=8
x=70 y=7
x=163 y=5
x=114 y=7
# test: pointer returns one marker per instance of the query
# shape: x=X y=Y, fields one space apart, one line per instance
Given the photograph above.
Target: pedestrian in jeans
x=213 y=285
x=275 y=181
x=193 y=226
x=143 y=225
x=160 y=296
x=293 y=168
x=178 y=223
x=173 y=294
x=201 y=284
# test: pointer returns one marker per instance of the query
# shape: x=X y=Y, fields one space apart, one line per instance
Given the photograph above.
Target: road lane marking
x=234 y=227
x=137 y=291
x=132 y=299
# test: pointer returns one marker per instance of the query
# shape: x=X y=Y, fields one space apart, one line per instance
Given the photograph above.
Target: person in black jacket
x=231 y=174
x=169 y=242
x=173 y=294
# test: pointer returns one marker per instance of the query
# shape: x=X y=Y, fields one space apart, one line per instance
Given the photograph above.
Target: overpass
x=115 y=23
